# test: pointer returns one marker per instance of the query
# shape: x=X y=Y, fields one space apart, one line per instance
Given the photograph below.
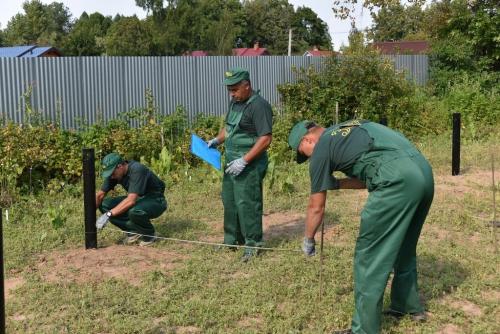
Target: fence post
x=2 y=283
x=455 y=148
x=89 y=206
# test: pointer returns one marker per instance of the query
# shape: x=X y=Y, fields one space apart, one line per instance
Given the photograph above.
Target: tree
x=210 y=25
x=345 y=9
x=87 y=36
x=268 y=22
x=41 y=24
x=309 y=30
x=180 y=28
x=155 y=7
x=466 y=43
x=129 y=36
x=219 y=25
x=397 y=22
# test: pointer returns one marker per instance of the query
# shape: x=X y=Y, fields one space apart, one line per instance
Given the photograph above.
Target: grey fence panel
x=74 y=89
x=271 y=76
x=180 y=84
x=416 y=68
x=213 y=98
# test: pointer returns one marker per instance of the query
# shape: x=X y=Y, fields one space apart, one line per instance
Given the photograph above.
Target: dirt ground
x=130 y=262
x=94 y=265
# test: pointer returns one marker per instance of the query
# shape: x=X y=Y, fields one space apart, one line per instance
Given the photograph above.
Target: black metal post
x=383 y=120
x=455 y=148
x=89 y=207
x=2 y=283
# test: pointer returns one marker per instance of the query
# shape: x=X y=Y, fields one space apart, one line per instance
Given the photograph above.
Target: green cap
x=235 y=75
x=295 y=137
x=109 y=163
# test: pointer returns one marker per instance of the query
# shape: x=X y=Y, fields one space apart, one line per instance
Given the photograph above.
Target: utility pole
x=289 y=42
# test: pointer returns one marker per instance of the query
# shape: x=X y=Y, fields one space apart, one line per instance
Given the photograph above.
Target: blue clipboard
x=200 y=148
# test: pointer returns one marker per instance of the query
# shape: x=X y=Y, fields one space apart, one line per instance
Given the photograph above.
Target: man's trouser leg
x=232 y=230
x=404 y=288
x=242 y=198
x=385 y=220
x=138 y=218
x=119 y=221
x=248 y=196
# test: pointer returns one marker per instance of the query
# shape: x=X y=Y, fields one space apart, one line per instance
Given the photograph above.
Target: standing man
x=131 y=213
x=247 y=135
x=401 y=187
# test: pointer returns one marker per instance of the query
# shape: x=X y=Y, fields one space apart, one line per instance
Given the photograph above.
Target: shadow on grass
x=439 y=276
x=178 y=227
x=293 y=230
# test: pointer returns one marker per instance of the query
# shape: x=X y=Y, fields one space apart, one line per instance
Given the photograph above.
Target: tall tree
x=40 y=24
x=210 y=25
x=87 y=36
x=154 y=8
x=469 y=38
x=268 y=22
x=397 y=22
x=220 y=23
x=128 y=36
x=309 y=30
x=345 y=9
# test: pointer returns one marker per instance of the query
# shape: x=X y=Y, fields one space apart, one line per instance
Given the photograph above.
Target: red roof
x=402 y=47
x=197 y=53
x=319 y=53
x=250 y=52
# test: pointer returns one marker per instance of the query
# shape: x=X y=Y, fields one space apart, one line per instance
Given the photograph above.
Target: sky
x=338 y=29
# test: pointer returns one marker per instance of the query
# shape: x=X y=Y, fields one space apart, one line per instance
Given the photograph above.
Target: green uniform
x=401 y=189
x=242 y=194
x=150 y=204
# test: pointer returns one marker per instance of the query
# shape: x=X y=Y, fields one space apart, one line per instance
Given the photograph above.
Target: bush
x=362 y=83
x=33 y=155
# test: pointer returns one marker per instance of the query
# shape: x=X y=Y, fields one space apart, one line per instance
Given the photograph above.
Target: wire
x=209 y=243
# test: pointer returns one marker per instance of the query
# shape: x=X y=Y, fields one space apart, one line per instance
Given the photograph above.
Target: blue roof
x=23 y=51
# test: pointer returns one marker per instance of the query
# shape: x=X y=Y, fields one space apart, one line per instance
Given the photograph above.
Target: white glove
x=309 y=247
x=213 y=142
x=103 y=220
x=235 y=167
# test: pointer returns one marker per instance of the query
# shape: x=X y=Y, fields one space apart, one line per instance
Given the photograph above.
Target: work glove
x=213 y=142
x=103 y=220
x=235 y=167
x=308 y=246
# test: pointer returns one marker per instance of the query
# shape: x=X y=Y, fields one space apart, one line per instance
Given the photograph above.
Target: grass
x=213 y=292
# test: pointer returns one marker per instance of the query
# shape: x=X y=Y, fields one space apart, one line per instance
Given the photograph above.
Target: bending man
x=401 y=188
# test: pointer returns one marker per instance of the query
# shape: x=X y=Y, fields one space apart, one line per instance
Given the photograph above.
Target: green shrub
x=362 y=83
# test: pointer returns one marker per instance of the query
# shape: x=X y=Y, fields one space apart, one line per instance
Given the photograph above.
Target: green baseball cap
x=298 y=132
x=109 y=163
x=235 y=75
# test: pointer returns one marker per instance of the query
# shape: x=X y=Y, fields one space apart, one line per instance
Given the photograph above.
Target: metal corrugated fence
x=75 y=89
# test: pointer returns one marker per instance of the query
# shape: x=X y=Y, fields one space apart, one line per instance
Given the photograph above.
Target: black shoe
x=344 y=331
x=417 y=317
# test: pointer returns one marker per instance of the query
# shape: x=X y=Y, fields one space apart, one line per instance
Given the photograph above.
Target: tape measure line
x=209 y=243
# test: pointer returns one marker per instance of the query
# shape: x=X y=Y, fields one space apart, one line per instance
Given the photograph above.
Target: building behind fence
x=73 y=89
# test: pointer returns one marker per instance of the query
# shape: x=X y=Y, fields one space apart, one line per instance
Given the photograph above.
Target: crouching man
x=132 y=213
